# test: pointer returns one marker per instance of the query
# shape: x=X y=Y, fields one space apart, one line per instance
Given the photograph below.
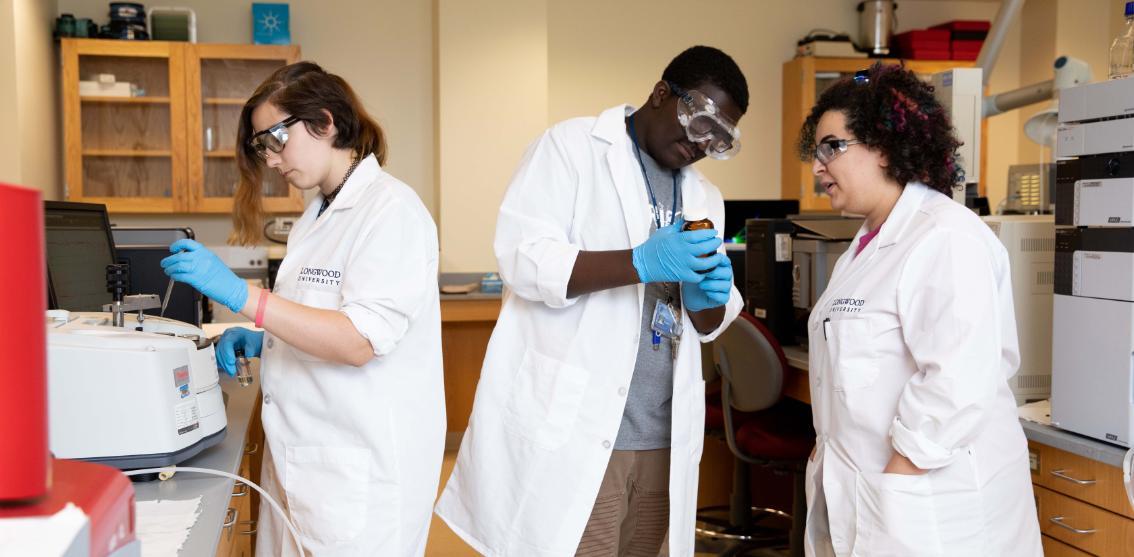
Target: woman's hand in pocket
x=899 y=464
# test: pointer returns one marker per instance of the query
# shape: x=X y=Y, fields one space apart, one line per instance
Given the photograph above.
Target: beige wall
x=29 y=96
x=462 y=86
x=1083 y=29
x=37 y=87
x=383 y=48
x=9 y=100
x=492 y=102
x=602 y=53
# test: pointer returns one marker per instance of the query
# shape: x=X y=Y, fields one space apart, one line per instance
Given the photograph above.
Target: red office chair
x=767 y=431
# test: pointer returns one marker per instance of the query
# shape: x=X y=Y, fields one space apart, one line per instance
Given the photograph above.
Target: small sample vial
x=243 y=369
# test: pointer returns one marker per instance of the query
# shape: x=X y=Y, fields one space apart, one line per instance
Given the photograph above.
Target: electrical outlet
x=282 y=226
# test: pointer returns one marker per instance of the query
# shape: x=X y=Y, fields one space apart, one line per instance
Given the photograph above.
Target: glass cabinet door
x=228 y=75
x=125 y=125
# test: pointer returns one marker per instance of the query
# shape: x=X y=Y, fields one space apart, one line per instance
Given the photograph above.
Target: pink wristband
x=263 y=303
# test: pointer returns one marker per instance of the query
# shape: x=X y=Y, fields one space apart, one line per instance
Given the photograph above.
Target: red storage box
x=966 y=30
x=967 y=46
x=921 y=41
x=964 y=25
x=963 y=55
x=923 y=54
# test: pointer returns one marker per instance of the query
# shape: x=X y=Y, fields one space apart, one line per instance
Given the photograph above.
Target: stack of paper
x=1038 y=412
x=163 y=526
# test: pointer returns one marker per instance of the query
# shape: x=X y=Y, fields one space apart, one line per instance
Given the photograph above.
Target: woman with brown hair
x=353 y=397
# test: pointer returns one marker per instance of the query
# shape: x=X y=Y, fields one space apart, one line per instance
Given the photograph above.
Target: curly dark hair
x=895 y=112
x=698 y=65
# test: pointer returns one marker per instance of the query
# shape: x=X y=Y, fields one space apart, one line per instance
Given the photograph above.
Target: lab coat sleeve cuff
x=375 y=329
x=922 y=451
x=732 y=309
x=555 y=269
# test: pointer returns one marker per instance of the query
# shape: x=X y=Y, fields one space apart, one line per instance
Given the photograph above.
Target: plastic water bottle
x=1122 y=49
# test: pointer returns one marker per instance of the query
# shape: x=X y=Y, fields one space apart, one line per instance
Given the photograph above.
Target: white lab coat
x=555 y=377
x=912 y=345
x=354 y=453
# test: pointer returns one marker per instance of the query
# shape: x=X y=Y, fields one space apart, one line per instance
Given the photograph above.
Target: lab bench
x=226 y=525
x=1080 y=495
x=467 y=321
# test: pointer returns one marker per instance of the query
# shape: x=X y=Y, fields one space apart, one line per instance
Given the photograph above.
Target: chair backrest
x=750 y=359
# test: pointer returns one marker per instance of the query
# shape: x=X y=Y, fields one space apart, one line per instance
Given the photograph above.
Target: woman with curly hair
x=919 y=448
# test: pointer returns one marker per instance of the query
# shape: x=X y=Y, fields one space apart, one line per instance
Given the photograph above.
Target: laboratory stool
x=763 y=429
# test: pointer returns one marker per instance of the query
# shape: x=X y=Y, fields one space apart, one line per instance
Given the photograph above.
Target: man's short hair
x=704 y=64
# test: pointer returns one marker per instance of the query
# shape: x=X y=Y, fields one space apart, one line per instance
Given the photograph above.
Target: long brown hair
x=303 y=90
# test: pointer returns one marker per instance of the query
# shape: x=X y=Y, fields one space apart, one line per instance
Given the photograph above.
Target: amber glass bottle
x=697 y=218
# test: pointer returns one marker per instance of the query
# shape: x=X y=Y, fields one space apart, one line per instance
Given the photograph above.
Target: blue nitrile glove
x=713 y=291
x=670 y=255
x=193 y=264
x=250 y=341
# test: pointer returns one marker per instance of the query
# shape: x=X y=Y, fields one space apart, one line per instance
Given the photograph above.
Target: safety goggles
x=705 y=123
x=272 y=139
x=830 y=149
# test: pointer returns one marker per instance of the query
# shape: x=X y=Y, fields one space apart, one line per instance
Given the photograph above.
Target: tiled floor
x=444 y=543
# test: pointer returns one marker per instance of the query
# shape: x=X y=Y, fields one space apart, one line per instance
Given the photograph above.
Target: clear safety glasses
x=273 y=138
x=705 y=123
x=830 y=149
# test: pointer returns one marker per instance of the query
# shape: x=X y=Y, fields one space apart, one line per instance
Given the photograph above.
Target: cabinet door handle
x=1058 y=521
x=241 y=490
x=251 y=448
x=1061 y=475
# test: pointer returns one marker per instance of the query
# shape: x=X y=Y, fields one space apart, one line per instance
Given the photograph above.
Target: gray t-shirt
x=646 y=421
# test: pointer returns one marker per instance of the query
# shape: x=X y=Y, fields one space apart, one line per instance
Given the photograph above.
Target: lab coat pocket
x=896 y=516
x=328 y=489
x=318 y=299
x=545 y=399
x=854 y=362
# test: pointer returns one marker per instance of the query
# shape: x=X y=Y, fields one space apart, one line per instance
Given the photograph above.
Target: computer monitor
x=79 y=247
x=738 y=211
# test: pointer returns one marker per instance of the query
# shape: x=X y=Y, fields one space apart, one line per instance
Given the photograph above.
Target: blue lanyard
x=646 y=176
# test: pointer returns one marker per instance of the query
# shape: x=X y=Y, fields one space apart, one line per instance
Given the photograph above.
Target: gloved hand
x=713 y=291
x=670 y=255
x=193 y=264
x=250 y=341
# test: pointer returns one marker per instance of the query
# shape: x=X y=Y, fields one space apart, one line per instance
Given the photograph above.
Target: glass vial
x=243 y=369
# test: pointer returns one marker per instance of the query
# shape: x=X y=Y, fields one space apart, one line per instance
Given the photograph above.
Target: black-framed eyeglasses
x=273 y=138
x=830 y=149
x=862 y=77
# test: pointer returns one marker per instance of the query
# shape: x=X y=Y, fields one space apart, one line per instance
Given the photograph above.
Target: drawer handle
x=1060 y=474
x=251 y=528
x=228 y=522
x=1058 y=521
x=251 y=448
x=241 y=490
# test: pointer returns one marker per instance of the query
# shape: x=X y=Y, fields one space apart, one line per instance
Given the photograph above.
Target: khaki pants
x=631 y=513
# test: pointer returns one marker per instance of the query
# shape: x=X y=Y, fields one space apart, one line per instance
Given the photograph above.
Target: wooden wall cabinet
x=804 y=80
x=170 y=146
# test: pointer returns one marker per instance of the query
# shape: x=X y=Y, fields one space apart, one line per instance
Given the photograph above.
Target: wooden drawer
x=1055 y=548
x=1083 y=526
x=1082 y=478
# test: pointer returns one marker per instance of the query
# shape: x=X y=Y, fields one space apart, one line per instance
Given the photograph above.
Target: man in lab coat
x=587 y=428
